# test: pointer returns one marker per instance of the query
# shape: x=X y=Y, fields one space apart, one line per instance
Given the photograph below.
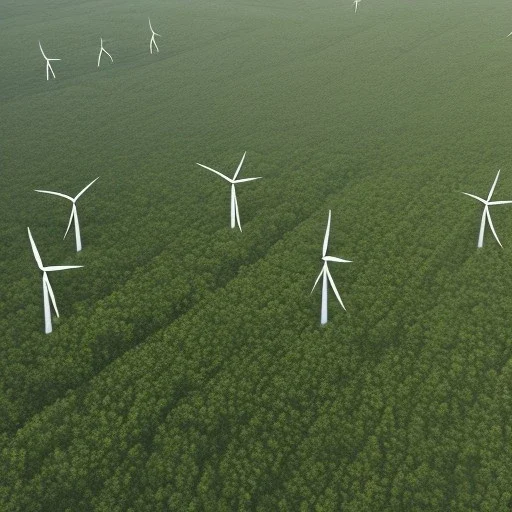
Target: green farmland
x=188 y=370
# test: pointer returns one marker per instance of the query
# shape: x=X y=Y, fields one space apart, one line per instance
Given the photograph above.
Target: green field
x=188 y=370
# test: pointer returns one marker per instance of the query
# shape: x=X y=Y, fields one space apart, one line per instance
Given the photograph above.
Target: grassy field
x=188 y=370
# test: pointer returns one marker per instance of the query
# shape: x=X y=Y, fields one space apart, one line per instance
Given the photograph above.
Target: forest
x=188 y=370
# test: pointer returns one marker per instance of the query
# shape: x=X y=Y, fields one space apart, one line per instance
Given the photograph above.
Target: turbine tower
x=235 y=215
x=102 y=50
x=486 y=214
x=48 y=65
x=153 y=42
x=74 y=214
x=327 y=275
x=47 y=287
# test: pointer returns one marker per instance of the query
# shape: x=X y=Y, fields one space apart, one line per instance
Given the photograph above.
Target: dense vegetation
x=188 y=370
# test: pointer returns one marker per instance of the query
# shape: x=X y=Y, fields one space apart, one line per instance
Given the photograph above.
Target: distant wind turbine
x=486 y=214
x=510 y=34
x=47 y=287
x=234 y=204
x=356 y=3
x=327 y=275
x=153 y=42
x=74 y=214
x=102 y=50
x=48 y=65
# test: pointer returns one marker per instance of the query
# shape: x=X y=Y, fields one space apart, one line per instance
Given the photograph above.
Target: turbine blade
x=499 y=202
x=239 y=166
x=334 y=288
x=109 y=55
x=217 y=172
x=60 y=267
x=337 y=260
x=41 y=48
x=237 y=213
x=247 y=179
x=475 y=197
x=54 y=193
x=492 y=228
x=73 y=213
x=150 y=25
x=35 y=251
x=50 y=292
x=326 y=237
x=84 y=189
x=317 y=279
x=493 y=185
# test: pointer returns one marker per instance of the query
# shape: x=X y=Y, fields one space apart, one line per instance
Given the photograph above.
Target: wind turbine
x=103 y=50
x=487 y=202
x=47 y=287
x=48 y=65
x=510 y=34
x=73 y=212
x=234 y=204
x=356 y=3
x=327 y=275
x=153 y=42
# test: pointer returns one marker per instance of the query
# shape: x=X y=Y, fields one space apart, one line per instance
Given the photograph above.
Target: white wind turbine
x=234 y=204
x=356 y=3
x=48 y=65
x=486 y=214
x=47 y=287
x=74 y=214
x=153 y=42
x=327 y=275
x=102 y=50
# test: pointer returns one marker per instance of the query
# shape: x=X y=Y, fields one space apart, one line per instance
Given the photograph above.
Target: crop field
x=188 y=370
